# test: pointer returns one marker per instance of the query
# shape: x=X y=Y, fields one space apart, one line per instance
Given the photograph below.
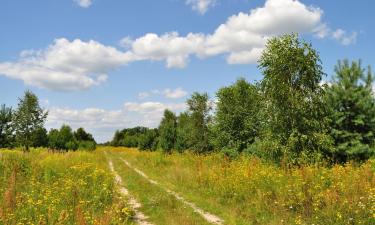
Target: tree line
x=24 y=127
x=290 y=116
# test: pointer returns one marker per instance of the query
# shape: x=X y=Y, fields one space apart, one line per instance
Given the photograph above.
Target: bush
x=87 y=145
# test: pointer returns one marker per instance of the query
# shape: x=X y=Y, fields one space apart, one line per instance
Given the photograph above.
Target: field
x=42 y=187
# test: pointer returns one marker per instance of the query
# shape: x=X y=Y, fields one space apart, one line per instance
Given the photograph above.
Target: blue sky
x=106 y=65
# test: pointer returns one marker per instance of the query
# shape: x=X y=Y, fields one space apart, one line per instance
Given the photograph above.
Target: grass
x=159 y=206
x=41 y=187
x=53 y=188
x=248 y=191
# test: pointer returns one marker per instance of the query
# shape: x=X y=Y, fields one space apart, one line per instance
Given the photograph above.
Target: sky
x=111 y=64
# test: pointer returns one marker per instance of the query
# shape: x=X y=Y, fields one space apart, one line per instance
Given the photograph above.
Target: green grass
x=248 y=191
x=158 y=205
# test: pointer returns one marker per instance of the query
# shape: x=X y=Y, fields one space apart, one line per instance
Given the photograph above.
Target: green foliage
x=295 y=113
x=87 y=145
x=81 y=135
x=28 y=118
x=183 y=132
x=39 y=137
x=149 y=140
x=128 y=137
x=71 y=145
x=6 y=128
x=237 y=115
x=167 y=130
x=199 y=107
x=352 y=111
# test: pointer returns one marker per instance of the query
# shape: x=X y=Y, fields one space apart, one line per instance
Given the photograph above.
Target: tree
x=148 y=140
x=81 y=135
x=199 y=107
x=352 y=111
x=6 y=129
x=167 y=129
x=66 y=137
x=296 y=116
x=39 y=138
x=237 y=119
x=183 y=132
x=28 y=117
x=54 y=141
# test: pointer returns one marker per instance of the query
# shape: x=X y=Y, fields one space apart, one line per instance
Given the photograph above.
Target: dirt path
x=207 y=216
x=139 y=217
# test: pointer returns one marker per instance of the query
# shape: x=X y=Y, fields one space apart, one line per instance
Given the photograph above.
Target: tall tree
x=352 y=118
x=28 y=117
x=167 y=130
x=6 y=129
x=199 y=108
x=237 y=119
x=291 y=86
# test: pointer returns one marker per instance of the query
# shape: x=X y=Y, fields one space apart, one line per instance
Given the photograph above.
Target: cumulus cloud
x=201 y=6
x=66 y=65
x=76 y=65
x=241 y=38
x=168 y=93
x=103 y=123
x=83 y=3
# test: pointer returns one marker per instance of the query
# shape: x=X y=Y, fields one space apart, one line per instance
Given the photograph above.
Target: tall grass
x=53 y=188
x=249 y=191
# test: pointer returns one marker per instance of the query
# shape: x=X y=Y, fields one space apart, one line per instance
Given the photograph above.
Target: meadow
x=42 y=187
x=249 y=191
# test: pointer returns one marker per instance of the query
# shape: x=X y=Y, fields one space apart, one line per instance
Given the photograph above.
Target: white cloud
x=103 y=123
x=66 y=65
x=168 y=93
x=83 y=3
x=170 y=47
x=76 y=65
x=340 y=35
x=201 y=6
x=241 y=38
x=176 y=93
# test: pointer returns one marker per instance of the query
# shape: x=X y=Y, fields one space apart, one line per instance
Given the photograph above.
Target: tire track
x=211 y=218
x=139 y=217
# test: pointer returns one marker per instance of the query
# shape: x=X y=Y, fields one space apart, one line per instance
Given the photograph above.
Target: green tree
x=81 y=135
x=295 y=113
x=183 y=132
x=6 y=129
x=199 y=108
x=39 y=138
x=167 y=131
x=237 y=119
x=54 y=141
x=28 y=117
x=352 y=116
x=148 y=140
x=67 y=139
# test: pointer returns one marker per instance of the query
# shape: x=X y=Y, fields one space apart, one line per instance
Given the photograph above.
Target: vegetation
x=27 y=119
x=24 y=128
x=47 y=188
x=250 y=191
x=289 y=117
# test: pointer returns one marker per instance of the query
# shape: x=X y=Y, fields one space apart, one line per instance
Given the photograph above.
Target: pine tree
x=352 y=111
